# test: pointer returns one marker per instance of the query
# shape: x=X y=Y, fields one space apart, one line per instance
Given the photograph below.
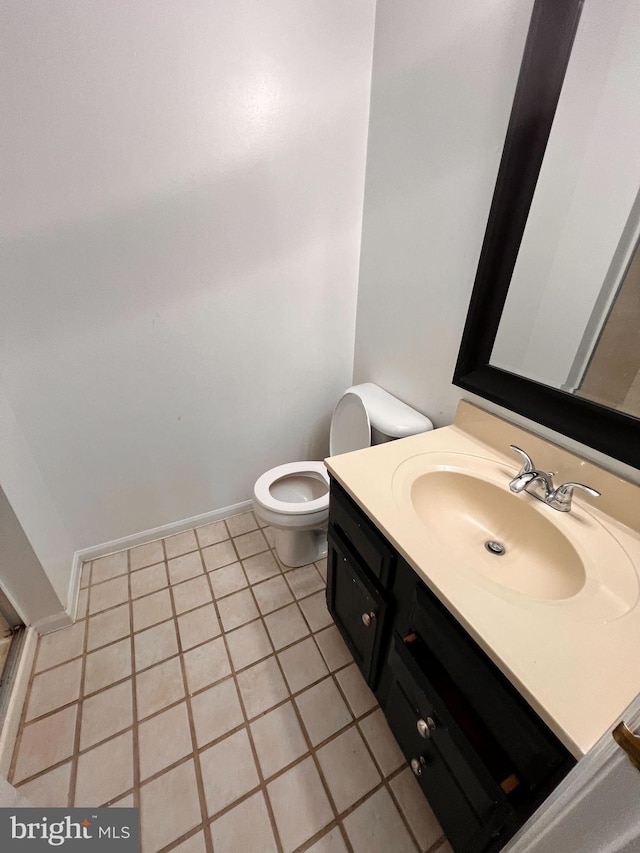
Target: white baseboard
x=135 y=539
x=53 y=622
x=12 y=718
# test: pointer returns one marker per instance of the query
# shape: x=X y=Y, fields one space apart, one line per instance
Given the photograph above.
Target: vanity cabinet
x=483 y=758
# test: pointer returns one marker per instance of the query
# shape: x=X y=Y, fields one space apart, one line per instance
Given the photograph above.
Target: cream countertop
x=578 y=668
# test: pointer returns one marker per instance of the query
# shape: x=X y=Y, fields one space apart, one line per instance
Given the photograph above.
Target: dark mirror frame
x=546 y=56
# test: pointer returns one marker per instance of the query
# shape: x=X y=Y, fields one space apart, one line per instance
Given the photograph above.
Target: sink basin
x=512 y=541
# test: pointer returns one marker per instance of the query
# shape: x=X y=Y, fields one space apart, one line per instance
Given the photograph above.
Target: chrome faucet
x=540 y=485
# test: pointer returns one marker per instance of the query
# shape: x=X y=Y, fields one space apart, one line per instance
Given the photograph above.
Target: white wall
x=182 y=192
x=442 y=87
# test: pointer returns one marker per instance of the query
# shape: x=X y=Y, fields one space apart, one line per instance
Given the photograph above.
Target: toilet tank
x=367 y=414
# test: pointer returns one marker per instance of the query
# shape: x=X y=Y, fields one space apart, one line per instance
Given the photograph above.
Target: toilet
x=294 y=498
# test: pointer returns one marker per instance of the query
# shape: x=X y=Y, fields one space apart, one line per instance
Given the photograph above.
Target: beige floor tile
x=106 y=714
x=108 y=594
x=51 y=790
x=321 y=566
x=163 y=740
x=61 y=646
x=114 y=762
x=348 y=768
x=105 y=568
x=248 y=644
x=416 y=809
x=305 y=581
x=216 y=556
x=169 y=807
x=155 y=644
x=237 y=609
x=262 y=686
x=249 y=544
x=332 y=842
x=216 y=711
x=158 y=687
x=228 y=579
x=180 y=543
x=285 y=626
x=222 y=787
x=54 y=688
x=261 y=567
x=278 y=739
x=45 y=742
x=148 y=580
x=381 y=742
x=146 y=555
x=323 y=710
x=193 y=844
x=211 y=534
x=359 y=698
x=83 y=604
x=244 y=522
x=300 y=805
x=191 y=594
x=85 y=576
x=272 y=594
x=107 y=627
x=112 y=663
x=302 y=664
x=270 y=536
x=315 y=611
x=377 y=825
x=197 y=626
x=185 y=567
x=334 y=649
x=151 y=609
x=206 y=664
x=245 y=828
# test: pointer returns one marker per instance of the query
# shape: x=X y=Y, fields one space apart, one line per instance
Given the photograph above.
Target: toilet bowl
x=294 y=498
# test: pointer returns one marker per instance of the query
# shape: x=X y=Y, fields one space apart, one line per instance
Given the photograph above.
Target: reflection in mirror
x=571 y=319
x=612 y=373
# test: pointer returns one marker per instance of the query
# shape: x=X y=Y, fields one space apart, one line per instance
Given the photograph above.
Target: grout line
x=192 y=728
x=134 y=702
x=261 y=780
x=76 y=741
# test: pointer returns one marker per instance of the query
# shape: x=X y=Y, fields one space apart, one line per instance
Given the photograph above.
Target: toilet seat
x=262 y=488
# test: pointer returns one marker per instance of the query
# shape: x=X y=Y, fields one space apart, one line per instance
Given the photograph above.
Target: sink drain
x=496 y=548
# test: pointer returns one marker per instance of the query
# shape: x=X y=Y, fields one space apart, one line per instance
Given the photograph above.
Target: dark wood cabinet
x=483 y=758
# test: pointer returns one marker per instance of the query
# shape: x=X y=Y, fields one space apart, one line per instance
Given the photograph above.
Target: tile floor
x=206 y=684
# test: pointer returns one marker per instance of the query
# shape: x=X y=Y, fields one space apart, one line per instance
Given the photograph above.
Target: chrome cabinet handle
x=417 y=765
x=425 y=727
x=368 y=619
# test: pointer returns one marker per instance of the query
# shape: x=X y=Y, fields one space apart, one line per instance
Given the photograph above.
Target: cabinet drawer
x=372 y=548
x=357 y=606
x=464 y=794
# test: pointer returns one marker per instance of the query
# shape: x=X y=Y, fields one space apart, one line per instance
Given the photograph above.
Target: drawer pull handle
x=368 y=619
x=417 y=765
x=425 y=727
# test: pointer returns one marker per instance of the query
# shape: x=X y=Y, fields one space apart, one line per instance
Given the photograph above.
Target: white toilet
x=294 y=498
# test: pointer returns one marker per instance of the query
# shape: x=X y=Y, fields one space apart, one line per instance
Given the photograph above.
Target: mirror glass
x=571 y=319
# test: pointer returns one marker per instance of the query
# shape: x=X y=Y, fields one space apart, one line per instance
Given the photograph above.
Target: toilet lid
x=350 y=427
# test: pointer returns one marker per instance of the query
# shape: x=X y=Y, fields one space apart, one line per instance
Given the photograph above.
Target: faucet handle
x=563 y=494
x=527 y=461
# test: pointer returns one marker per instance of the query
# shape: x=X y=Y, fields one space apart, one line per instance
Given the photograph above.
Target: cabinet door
x=466 y=799
x=357 y=606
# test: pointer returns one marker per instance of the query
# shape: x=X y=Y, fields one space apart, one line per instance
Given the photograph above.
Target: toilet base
x=300 y=547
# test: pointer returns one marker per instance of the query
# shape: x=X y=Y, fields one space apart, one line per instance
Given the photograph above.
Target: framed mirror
x=553 y=327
